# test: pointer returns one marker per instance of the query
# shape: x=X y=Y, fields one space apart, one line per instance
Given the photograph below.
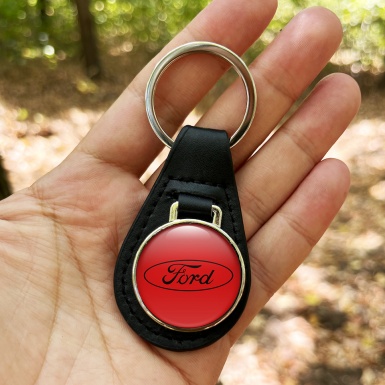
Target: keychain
x=182 y=277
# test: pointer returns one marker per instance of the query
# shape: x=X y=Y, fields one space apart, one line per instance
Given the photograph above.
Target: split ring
x=214 y=49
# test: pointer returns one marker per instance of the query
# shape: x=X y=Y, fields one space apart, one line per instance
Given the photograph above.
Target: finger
x=274 y=172
x=123 y=136
x=282 y=72
x=287 y=238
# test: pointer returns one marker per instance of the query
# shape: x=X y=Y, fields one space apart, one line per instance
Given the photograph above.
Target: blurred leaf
x=22 y=114
x=86 y=86
x=312 y=299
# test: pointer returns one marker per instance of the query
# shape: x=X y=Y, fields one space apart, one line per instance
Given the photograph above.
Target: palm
x=60 y=238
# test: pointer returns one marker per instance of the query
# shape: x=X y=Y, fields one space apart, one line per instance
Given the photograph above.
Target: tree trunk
x=87 y=33
x=5 y=187
x=42 y=4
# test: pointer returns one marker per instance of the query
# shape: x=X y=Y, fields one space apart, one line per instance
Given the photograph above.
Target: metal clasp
x=216 y=212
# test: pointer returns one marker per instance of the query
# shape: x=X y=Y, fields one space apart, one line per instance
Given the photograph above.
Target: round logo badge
x=188 y=275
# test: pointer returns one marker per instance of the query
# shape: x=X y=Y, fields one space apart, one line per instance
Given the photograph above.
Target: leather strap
x=198 y=172
x=195 y=207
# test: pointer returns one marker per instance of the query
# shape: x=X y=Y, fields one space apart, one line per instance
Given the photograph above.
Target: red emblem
x=188 y=275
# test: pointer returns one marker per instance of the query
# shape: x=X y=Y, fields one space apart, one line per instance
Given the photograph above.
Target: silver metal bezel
x=189 y=221
x=214 y=49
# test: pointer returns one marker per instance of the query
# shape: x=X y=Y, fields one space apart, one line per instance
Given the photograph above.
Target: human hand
x=59 y=238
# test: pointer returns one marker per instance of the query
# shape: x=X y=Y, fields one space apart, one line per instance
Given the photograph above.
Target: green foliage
x=26 y=32
x=47 y=28
x=363 y=21
x=37 y=28
x=142 y=22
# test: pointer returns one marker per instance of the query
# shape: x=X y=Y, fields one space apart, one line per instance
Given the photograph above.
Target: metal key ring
x=214 y=49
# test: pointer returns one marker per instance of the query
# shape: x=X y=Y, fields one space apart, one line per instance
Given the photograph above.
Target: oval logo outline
x=194 y=261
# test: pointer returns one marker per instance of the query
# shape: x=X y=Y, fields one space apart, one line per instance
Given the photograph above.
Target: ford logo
x=188 y=275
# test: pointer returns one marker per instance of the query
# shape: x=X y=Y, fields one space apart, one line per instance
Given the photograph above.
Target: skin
x=59 y=238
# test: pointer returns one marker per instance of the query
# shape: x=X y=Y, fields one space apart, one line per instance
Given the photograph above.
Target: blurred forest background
x=63 y=62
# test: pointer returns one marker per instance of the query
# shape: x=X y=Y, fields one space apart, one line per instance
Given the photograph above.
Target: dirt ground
x=326 y=326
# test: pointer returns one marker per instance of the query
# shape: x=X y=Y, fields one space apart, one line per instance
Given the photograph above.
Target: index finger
x=123 y=136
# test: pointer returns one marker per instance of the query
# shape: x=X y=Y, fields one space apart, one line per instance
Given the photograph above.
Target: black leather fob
x=160 y=298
